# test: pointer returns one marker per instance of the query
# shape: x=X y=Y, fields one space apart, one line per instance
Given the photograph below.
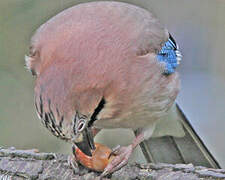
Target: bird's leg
x=122 y=155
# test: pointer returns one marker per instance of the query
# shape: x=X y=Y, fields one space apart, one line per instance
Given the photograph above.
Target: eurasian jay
x=104 y=65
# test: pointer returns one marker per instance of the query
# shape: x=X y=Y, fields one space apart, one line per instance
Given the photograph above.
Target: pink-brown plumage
x=96 y=50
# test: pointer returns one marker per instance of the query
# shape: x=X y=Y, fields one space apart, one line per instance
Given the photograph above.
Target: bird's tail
x=176 y=142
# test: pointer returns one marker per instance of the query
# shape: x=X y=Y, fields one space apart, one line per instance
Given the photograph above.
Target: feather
x=169 y=56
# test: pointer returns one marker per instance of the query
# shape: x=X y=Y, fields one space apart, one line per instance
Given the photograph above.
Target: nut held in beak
x=98 y=161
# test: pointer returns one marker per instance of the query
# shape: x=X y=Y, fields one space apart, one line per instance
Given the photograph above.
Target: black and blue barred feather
x=170 y=56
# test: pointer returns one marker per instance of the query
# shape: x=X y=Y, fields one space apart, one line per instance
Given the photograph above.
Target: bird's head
x=65 y=100
x=82 y=135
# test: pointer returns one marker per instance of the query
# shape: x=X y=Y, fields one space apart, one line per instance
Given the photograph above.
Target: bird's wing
x=169 y=56
x=174 y=140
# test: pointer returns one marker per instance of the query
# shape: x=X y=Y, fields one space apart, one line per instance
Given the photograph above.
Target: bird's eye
x=81 y=126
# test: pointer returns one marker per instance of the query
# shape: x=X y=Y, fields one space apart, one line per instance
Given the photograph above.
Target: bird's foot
x=72 y=162
x=122 y=155
x=120 y=160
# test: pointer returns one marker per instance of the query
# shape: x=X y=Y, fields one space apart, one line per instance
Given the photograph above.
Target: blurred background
x=198 y=27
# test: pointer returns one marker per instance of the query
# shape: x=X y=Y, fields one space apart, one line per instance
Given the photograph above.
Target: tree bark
x=30 y=164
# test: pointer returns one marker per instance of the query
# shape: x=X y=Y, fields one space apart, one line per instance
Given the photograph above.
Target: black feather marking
x=55 y=128
x=57 y=111
x=37 y=110
x=61 y=121
x=53 y=132
x=97 y=111
x=41 y=107
x=46 y=118
x=53 y=121
x=59 y=130
x=52 y=117
x=51 y=114
x=49 y=104
x=74 y=122
x=36 y=106
x=50 y=125
x=46 y=121
x=173 y=40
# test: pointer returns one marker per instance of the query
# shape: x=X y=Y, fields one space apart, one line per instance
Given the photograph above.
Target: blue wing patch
x=170 y=56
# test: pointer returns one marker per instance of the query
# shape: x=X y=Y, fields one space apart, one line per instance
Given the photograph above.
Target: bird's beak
x=86 y=145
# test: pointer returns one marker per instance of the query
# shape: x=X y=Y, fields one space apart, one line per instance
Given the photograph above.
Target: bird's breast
x=150 y=103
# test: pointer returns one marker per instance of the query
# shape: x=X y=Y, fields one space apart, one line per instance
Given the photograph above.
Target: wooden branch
x=29 y=164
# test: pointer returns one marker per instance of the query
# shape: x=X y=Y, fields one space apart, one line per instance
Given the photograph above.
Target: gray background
x=198 y=27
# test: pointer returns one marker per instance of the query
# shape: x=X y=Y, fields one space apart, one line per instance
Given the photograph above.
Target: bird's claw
x=72 y=162
x=121 y=159
x=115 y=150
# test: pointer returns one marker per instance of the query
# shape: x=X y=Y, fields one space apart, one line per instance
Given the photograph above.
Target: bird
x=104 y=65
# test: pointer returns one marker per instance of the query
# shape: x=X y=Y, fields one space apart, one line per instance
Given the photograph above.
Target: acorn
x=100 y=158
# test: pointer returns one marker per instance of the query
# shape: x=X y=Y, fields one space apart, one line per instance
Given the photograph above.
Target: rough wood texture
x=29 y=164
